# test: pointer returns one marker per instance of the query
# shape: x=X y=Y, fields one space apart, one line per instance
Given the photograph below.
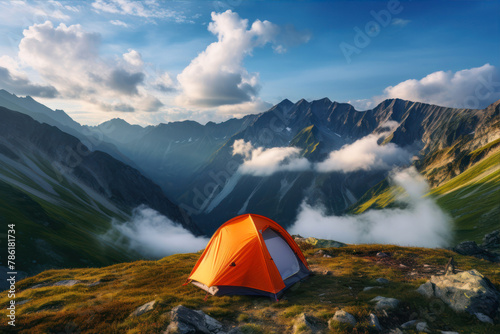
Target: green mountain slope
x=472 y=198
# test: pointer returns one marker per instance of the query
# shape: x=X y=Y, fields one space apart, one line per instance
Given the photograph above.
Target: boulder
x=384 y=303
x=422 y=327
x=342 y=317
x=187 y=321
x=472 y=249
x=143 y=309
x=409 y=324
x=305 y=323
x=467 y=291
x=383 y=254
x=374 y=323
x=491 y=240
x=484 y=318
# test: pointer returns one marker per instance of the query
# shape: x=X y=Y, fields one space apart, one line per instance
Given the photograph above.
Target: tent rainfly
x=249 y=255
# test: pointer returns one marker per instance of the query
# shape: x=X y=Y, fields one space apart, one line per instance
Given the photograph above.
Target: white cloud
x=68 y=58
x=216 y=77
x=134 y=58
x=400 y=22
x=267 y=161
x=118 y=23
x=150 y=9
x=365 y=154
x=15 y=12
x=164 y=83
x=154 y=235
x=15 y=81
x=421 y=223
x=470 y=88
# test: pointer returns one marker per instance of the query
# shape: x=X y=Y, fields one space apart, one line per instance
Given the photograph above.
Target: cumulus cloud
x=470 y=88
x=150 y=9
x=216 y=77
x=267 y=161
x=68 y=58
x=365 y=154
x=421 y=223
x=154 y=235
x=13 y=80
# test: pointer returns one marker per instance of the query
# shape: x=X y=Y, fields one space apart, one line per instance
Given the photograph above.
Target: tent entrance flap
x=283 y=256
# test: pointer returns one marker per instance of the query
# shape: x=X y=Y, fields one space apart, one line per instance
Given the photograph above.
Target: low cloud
x=216 y=77
x=422 y=223
x=154 y=235
x=365 y=154
x=267 y=161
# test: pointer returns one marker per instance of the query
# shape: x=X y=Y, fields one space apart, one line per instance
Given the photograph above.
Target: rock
x=235 y=330
x=491 y=240
x=426 y=289
x=326 y=272
x=382 y=280
x=396 y=331
x=384 y=303
x=484 y=318
x=422 y=327
x=143 y=309
x=23 y=302
x=187 y=321
x=383 y=254
x=448 y=332
x=69 y=282
x=343 y=317
x=467 y=291
x=320 y=252
x=374 y=322
x=472 y=249
x=368 y=288
x=305 y=323
x=327 y=256
x=320 y=243
x=409 y=324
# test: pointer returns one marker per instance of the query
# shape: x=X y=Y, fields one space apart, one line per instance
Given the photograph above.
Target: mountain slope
x=95 y=140
x=436 y=135
x=62 y=196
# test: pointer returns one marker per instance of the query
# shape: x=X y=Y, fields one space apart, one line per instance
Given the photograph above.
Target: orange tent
x=249 y=255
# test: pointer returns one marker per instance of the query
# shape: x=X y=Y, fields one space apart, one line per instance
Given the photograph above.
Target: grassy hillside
x=58 y=223
x=472 y=198
x=104 y=298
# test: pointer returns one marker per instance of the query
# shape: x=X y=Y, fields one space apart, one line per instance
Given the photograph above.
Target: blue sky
x=158 y=61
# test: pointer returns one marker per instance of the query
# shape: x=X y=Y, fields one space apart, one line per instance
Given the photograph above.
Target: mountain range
x=64 y=183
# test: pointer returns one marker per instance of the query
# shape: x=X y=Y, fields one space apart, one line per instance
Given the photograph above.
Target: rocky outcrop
x=187 y=321
x=471 y=248
x=491 y=241
x=468 y=291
